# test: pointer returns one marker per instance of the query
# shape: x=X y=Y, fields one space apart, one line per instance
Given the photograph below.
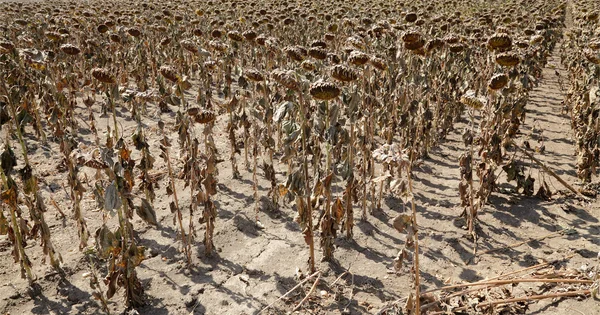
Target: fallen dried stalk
x=522 y=299
x=340 y=277
x=532 y=267
x=290 y=291
x=312 y=289
x=509 y=281
x=444 y=299
x=538 y=266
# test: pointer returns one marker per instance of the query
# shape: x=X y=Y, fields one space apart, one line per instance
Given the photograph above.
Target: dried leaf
x=112 y=284
x=3 y=224
x=282 y=190
x=106 y=241
x=338 y=210
x=282 y=110
x=136 y=255
x=112 y=200
x=9 y=196
x=146 y=212
x=410 y=303
x=8 y=160
x=402 y=222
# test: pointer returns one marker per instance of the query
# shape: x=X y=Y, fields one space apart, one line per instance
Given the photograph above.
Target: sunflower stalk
x=172 y=190
x=34 y=199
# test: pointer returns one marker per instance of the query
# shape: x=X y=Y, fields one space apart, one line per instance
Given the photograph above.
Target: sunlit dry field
x=306 y=157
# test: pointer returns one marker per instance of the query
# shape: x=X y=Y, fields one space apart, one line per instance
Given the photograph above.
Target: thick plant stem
x=36 y=213
x=184 y=239
x=473 y=210
x=309 y=232
x=23 y=258
x=114 y=112
x=416 y=240
x=326 y=233
x=349 y=224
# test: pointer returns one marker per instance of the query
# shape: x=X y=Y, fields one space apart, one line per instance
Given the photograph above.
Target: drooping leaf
x=9 y=196
x=111 y=282
x=112 y=200
x=146 y=212
x=106 y=241
x=3 y=224
x=282 y=110
x=136 y=255
x=402 y=222
x=338 y=210
x=9 y=160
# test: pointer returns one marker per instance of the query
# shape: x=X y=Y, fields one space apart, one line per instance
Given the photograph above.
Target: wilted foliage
x=350 y=99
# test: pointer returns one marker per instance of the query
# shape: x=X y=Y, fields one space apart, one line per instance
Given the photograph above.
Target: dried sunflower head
x=434 y=44
x=324 y=91
x=358 y=58
x=318 y=43
x=308 y=65
x=521 y=44
x=356 y=42
x=205 y=117
x=500 y=42
x=250 y=35
x=261 y=39
x=411 y=36
x=254 y=75
x=189 y=46
x=54 y=36
x=217 y=45
x=235 y=36
x=115 y=38
x=294 y=53
x=536 y=39
x=378 y=63
x=70 y=49
x=470 y=99
x=102 y=28
x=165 y=41
x=498 y=81
x=508 y=59
x=317 y=53
x=7 y=45
x=103 y=75
x=169 y=73
x=592 y=56
x=343 y=73
x=414 y=45
x=411 y=17
x=216 y=33
x=451 y=39
x=134 y=32
x=456 y=48
x=286 y=79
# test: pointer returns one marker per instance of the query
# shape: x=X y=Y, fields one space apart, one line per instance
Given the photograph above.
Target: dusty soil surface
x=254 y=266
